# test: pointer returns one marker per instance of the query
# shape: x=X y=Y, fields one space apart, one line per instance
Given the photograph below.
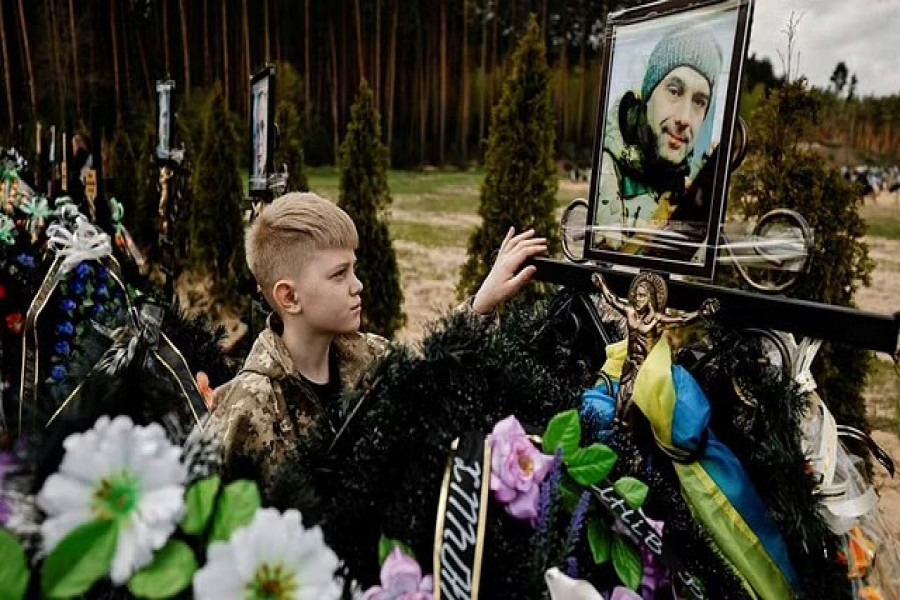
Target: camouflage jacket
x=259 y=414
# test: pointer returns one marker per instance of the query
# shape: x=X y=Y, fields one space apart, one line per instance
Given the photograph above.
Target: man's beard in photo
x=654 y=170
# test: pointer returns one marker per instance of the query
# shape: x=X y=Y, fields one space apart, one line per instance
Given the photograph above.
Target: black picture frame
x=164 y=131
x=262 y=129
x=643 y=47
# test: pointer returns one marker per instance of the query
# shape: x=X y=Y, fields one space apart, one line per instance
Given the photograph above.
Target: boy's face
x=329 y=292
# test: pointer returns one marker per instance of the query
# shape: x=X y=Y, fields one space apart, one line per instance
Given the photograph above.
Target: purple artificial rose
x=656 y=575
x=517 y=469
x=623 y=593
x=401 y=579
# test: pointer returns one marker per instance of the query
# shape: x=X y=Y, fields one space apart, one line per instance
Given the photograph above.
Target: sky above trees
x=865 y=35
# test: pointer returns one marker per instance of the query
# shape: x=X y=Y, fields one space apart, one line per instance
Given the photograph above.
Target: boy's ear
x=285 y=296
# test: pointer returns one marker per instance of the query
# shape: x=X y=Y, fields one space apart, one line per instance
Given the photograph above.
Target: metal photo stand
x=174 y=173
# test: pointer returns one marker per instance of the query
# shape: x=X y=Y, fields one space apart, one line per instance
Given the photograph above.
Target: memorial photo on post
x=261 y=128
x=164 y=119
x=665 y=124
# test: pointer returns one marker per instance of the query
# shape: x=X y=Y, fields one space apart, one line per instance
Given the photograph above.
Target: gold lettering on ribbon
x=31 y=358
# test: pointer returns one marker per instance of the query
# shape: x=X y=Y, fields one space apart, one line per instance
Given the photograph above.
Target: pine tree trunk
x=28 y=66
x=55 y=37
x=443 y=92
x=277 y=32
x=268 y=46
x=564 y=84
x=186 y=48
x=359 y=43
x=495 y=56
x=126 y=54
x=392 y=74
x=464 y=120
x=6 y=74
x=226 y=64
x=75 y=64
x=207 y=57
x=165 y=28
x=115 y=56
x=142 y=55
x=484 y=80
x=334 y=93
x=377 y=53
x=306 y=53
x=582 y=61
x=423 y=98
x=246 y=36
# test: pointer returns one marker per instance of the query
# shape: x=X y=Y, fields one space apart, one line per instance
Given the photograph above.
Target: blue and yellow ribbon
x=715 y=486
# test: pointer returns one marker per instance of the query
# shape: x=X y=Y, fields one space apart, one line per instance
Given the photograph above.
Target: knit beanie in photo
x=693 y=47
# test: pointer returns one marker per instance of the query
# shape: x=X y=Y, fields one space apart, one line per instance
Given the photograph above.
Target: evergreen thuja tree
x=122 y=164
x=290 y=146
x=217 y=230
x=519 y=189
x=365 y=195
x=288 y=115
x=146 y=207
x=779 y=173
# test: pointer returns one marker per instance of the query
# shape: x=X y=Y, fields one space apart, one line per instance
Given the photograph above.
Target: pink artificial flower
x=656 y=575
x=517 y=469
x=401 y=579
x=623 y=593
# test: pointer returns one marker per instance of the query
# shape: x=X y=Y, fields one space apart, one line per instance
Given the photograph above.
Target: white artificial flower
x=274 y=558
x=117 y=471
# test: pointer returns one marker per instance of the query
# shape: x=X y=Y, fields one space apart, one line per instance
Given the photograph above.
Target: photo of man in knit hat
x=665 y=106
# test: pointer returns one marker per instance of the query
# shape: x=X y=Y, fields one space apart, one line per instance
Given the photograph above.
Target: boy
x=301 y=253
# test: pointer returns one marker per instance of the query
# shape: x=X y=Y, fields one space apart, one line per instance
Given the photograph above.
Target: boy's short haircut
x=286 y=233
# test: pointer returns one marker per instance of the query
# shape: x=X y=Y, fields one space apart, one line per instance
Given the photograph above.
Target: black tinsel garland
x=763 y=430
x=682 y=532
x=383 y=476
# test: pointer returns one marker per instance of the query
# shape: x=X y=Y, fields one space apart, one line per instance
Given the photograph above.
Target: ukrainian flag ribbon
x=715 y=486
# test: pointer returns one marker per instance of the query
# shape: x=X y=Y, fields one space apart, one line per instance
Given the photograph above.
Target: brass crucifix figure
x=645 y=315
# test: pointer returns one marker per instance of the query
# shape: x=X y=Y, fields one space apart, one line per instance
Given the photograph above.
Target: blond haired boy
x=301 y=251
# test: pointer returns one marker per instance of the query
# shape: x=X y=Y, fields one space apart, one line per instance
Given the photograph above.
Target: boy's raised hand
x=506 y=279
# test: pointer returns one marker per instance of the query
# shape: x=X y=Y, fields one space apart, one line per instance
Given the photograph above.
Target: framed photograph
x=667 y=112
x=262 y=129
x=164 y=130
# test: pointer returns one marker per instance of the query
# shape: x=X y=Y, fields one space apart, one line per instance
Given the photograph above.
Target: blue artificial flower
x=65 y=328
x=98 y=310
x=102 y=291
x=26 y=260
x=102 y=273
x=78 y=287
x=68 y=305
x=82 y=270
x=58 y=373
x=62 y=348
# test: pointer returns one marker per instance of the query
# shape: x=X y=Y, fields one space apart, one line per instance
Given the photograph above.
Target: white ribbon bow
x=82 y=242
